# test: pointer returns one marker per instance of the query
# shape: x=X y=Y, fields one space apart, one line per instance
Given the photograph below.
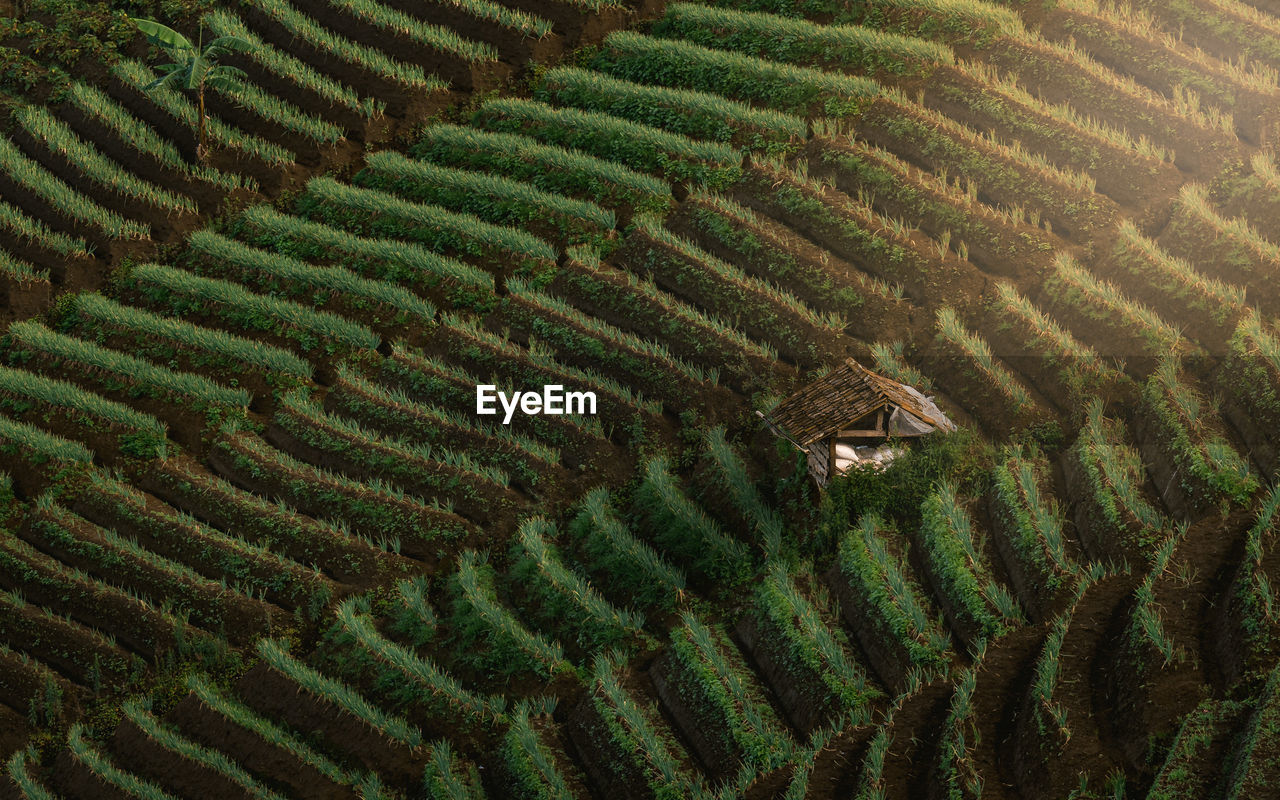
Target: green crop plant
x=214 y=760
x=1146 y=625
x=684 y=529
x=425 y=36
x=677 y=64
x=18 y=770
x=564 y=597
x=506 y=17
x=952 y=331
x=849 y=48
x=791 y=622
x=393 y=457
x=590 y=334
x=385 y=259
x=629 y=727
x=107 y=111
x=392 y=412
x=546 y=364
x=20 y=224
x=27 y=387
x=631 y=564
x=1044 y=683
x=1115 y=476
x=489 y=634
x=1249 y=774
x=220 y=345
x=550 y=168
x=288 y=116
x=1083 y=126
x=56 y=135
x=284 y=276
x=661 y=314
x=291 y=68
x=672 y=156
x=1033 y=519
x=1175 y=277
x=267 y=731
x=974 y=22
x=217 y=555
x=178 y=106
x=148 y=577
x=380 y=513
x=1101 y=300
x=1204 y=459
x=32 y=176
x=100 y=766
x=414 y=618
x=276 y=654
x=32 y=340
x=194 y=67
x=373 y=61
x=529 y=763
x=495 y=199
x=729 y=226
x=891 y=363
x=729 y=471
x=1057 y=342
x=41 y=445
x=21 y=272
x=720 y=692
x=1234 y=242
x=1253 y=590
x=776 y=315
x=411 y=679
x=448 y=777
x=699 y=115
x=953 y=554
x=435 y=227
x=184 y=292
x=957 y=771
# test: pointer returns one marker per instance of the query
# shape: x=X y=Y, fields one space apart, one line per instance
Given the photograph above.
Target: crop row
x=32 y=177
x=700 y=115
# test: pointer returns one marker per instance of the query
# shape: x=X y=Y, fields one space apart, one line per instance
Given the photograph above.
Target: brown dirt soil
x=515 y=48
x=883 y=652
x=744 y=373
x=72 y=779
x=275 y=767
x=478 y=501
x=276 y=484
x=1143 y=186
x=874 y=319
x=273 y=695
x=481 y=359
x=994 y=245
x=800 y=693
x=133 y=751
x=68 y=648
x=188 y=486
x=706 y=738
x=1042 y=762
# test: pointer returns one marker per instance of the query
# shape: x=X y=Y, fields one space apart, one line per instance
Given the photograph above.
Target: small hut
x=853 y=416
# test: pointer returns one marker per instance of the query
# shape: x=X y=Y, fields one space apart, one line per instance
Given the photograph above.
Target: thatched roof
x=831 y=403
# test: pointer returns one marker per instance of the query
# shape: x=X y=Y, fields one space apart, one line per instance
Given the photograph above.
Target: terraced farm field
x=257 y=542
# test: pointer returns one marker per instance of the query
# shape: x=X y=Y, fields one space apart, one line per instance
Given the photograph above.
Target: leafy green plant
x=194 y=67
x=326 y=689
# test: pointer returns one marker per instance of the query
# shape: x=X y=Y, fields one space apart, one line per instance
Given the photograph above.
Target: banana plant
x=194 y=66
